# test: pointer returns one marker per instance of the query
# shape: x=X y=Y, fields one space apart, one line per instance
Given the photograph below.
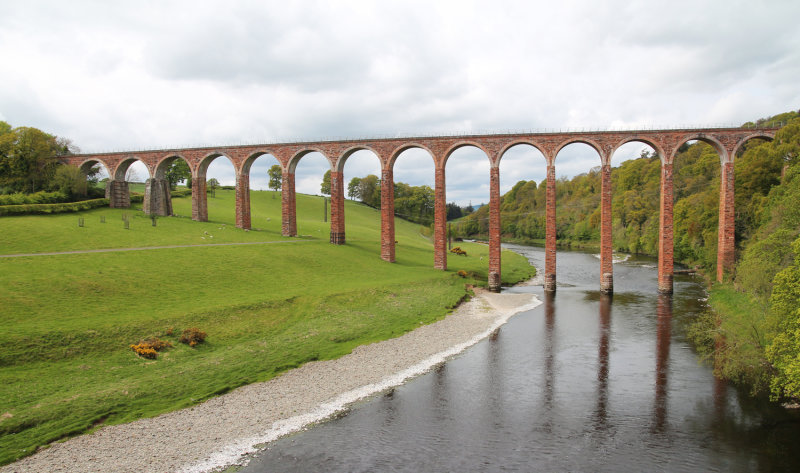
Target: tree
x=369 y=190
x=453 y=211
x=27 y=158
x=325 y=188
x=70 y=181
x=353 y=188
x=275 y=178
x=179 y=171
x=212 y=185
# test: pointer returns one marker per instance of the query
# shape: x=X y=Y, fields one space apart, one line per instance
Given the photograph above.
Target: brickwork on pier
x=725 y=236
x=387 y=215
x=550 y=231
x=665 y=245
x=288 y=206
x=494 y=229
x=337 y=208
x=665 y=142
x=439 y=221
x=243 y=201
x=606 y=247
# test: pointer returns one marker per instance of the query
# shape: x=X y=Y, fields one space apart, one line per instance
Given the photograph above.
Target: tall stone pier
x=157 y=197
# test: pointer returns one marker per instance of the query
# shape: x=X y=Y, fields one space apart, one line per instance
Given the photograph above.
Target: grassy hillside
x=68 y=320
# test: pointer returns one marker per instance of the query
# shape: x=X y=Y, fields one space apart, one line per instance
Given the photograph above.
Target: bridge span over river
x=726 y=141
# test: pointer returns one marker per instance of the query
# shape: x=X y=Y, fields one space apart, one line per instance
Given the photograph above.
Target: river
x=584 y=382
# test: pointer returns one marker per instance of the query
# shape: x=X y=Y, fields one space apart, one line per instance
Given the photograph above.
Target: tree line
x=758 y=345
x=29 y=164
x=412 y=203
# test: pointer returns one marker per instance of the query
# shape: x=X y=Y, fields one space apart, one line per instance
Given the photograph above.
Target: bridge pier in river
x=606 y=248
x=726 y=141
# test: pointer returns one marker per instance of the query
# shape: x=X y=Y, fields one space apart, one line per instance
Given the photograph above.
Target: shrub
x=145 y=351
x=193 y=336
x=149 y=348
x=457 y=250
x=462 y=273
x=33 y=209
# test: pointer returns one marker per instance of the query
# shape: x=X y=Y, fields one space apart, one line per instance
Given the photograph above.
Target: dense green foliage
x=754 y=336
x=61 y=207
x=266 y=307
x=635 y=202
x=413 y=203
x=275 y=174
x=179 y=171
x=29 y=159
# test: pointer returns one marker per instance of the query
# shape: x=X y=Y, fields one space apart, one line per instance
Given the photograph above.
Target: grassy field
x=68 y=320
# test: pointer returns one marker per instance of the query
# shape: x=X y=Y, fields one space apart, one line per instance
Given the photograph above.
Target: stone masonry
x=727 y=141
x=494 y=229
x=606 y=253
x=550 y=231
x=665 y=246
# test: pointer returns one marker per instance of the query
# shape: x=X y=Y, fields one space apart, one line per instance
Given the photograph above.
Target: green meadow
x=68 y=320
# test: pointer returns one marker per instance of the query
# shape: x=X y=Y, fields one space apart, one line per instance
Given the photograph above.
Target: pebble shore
x=224 y=430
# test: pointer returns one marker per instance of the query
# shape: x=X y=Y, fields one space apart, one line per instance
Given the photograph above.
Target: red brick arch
x=753 y=136
x=639 y=139
x=88 y=164
x=516 y=143
x=165 y=162
x=466 y=144
x=405 y=147
x=727 y=141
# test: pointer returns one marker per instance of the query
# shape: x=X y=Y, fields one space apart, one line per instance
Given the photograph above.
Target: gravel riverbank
x=220 y=431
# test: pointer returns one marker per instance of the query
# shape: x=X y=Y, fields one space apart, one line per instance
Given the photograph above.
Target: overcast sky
x=153 y=74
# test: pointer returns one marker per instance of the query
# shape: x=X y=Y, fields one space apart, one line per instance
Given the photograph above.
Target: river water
x=584 y=382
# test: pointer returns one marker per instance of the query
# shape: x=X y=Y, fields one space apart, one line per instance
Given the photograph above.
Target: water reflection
x=573 y=394
x=601 y=415
x=663 y=337
x=549 y=357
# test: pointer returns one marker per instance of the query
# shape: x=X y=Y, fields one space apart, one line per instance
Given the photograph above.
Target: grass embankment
x=734 y=336
x=68 y=320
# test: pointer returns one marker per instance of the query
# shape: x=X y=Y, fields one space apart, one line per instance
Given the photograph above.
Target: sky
x=162 y=74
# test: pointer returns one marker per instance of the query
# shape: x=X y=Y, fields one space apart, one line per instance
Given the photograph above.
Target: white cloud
x=150 y=74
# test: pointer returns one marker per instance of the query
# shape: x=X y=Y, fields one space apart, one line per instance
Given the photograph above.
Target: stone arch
x=638 y=139
x=463 y=144
x=339 y=167
x=163 y=164
x=715 y=143
x=247 y=163
x=405 y=147
x=752 y=136
x=292 y=165
x=125 y=164
x=591 y=143
x=88 y=164
x=202 y=166
x=520 y=142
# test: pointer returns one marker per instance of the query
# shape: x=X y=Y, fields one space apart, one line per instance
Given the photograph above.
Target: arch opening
x=413 y=170
x=312 y=193
x=265 y=183
x=97 y=177
x=218 y=175
x=523 y=180
x=471 y=179
x=636 y=189
x=361 y=181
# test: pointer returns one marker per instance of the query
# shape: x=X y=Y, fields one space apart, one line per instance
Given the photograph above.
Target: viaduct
x=726 y=141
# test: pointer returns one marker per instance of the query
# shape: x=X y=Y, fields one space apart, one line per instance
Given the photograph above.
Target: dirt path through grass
x=111 y=250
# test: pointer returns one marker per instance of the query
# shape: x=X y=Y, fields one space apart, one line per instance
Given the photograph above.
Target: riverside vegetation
x=68 y=321
x=753 y=335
